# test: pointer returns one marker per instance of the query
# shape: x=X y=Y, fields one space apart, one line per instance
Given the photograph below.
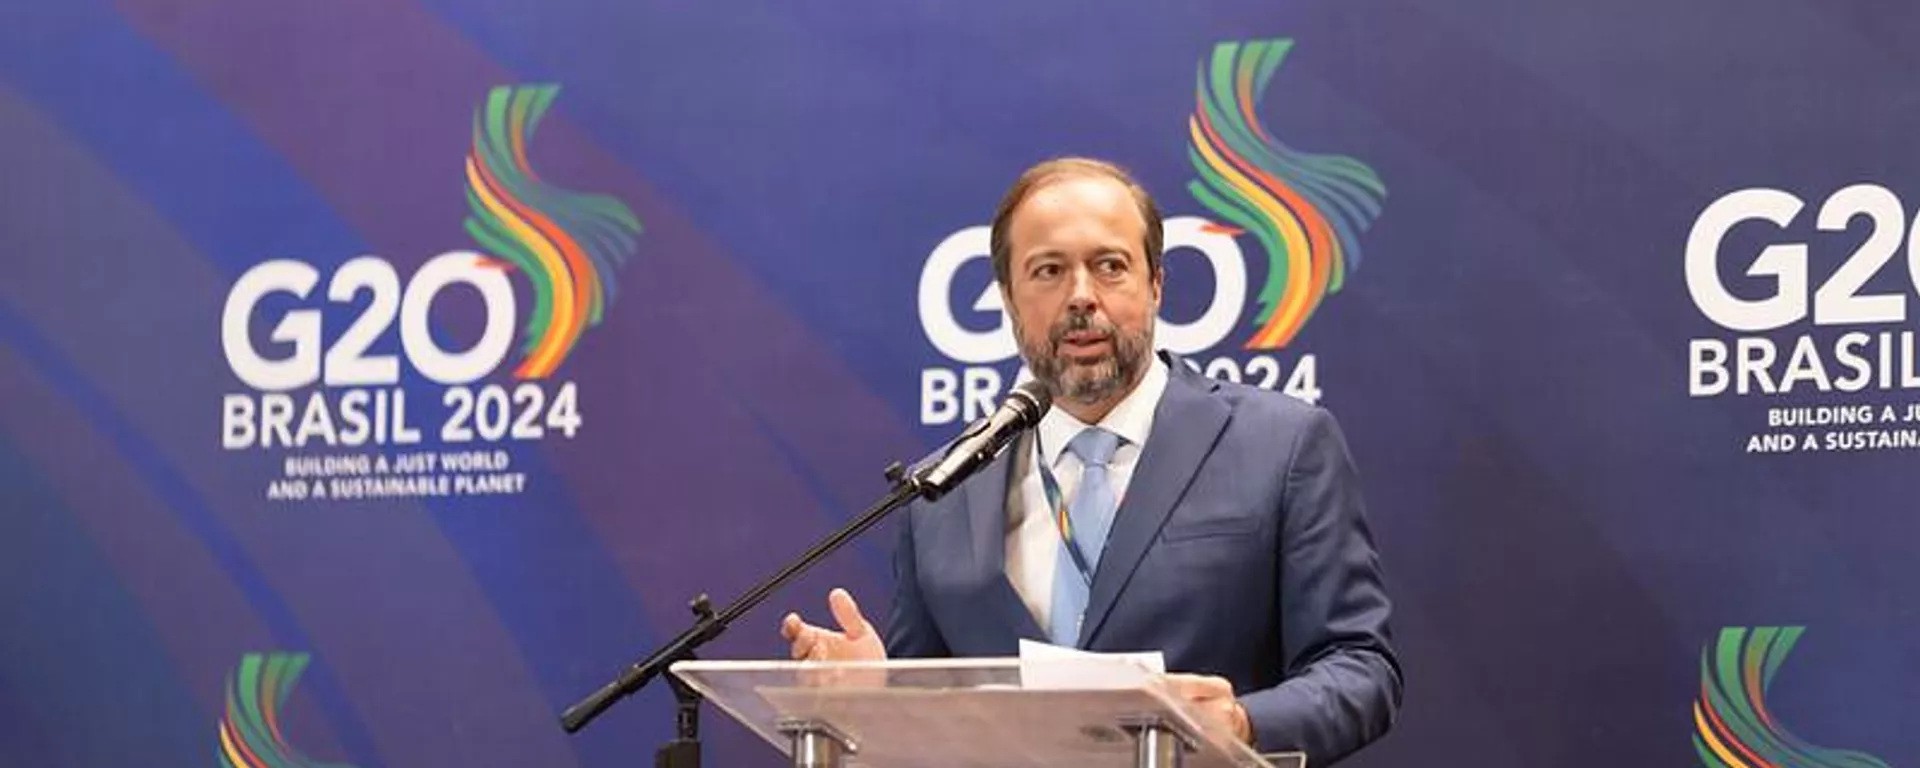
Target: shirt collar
x=1131 y=418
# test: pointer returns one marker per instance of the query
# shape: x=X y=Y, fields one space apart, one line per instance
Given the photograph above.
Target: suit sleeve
x=1342 y=687
x=910 y=629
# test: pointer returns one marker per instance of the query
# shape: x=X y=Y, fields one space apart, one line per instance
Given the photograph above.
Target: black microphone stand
x=684 y=750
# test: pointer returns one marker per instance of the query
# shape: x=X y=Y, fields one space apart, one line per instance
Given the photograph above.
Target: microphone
x=975 y=448
x=978 y=446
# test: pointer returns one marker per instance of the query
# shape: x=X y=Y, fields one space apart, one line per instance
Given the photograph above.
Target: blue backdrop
x=1610 y=298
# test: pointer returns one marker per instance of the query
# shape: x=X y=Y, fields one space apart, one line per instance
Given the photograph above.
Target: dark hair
x=1061 y=169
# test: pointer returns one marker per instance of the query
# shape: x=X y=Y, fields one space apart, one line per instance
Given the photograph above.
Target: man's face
x=1079 y=291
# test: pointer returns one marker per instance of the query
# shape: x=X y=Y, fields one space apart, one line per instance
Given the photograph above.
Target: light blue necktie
x=1091 y=516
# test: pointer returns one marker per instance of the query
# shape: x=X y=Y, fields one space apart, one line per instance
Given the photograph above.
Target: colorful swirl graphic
x=1306 y=210
x=567 y=243
x=1732 y=727
x=250 y=735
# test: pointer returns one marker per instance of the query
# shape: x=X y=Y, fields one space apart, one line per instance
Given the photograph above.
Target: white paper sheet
x=1044 y=666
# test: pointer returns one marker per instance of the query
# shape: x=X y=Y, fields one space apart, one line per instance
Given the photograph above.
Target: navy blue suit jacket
x=1241 y=550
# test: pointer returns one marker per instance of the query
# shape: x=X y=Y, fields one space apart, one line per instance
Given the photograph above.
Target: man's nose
x=1082 y=297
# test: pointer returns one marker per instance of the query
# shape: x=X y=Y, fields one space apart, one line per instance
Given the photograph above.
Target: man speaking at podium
x=1152 y=509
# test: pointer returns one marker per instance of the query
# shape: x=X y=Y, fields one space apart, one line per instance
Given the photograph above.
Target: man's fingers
x=1214 y=697
x=812 y=643
x=804 y=637
x=847 y=613
x=804 y=644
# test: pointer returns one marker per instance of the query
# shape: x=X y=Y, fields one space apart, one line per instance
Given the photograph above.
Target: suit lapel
x=986 y=507
x=1185 y=426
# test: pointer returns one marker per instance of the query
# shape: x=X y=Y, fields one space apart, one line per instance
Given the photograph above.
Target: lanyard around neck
x=1062 y=522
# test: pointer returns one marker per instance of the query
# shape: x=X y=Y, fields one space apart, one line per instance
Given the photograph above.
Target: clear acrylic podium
x=968 y=713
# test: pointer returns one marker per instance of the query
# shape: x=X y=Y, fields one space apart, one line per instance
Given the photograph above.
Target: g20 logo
x=1838 y=300
x=1305 y=211
x=355 y=399
x=1854 y=361
x=972 y=390
x=566 y=245
x=956 y=342
x=346 y=363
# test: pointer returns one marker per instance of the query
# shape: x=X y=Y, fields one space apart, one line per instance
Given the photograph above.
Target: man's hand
x=1213 y=697
x=856 y=640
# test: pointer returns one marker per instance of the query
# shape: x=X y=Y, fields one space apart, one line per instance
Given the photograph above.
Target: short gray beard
x=1087 y=385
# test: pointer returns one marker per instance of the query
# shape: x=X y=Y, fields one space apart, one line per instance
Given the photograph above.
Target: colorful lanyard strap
x=1061 y=521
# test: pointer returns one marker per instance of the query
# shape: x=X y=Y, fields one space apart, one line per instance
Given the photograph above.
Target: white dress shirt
x=1033 y=542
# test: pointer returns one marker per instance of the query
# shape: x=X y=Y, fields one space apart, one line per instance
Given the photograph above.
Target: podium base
x=816 y=745
x=1157 y=747
x=1156 y=744
x=680 y=753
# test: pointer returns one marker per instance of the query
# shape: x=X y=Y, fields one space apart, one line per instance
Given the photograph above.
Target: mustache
x=1076 y=322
